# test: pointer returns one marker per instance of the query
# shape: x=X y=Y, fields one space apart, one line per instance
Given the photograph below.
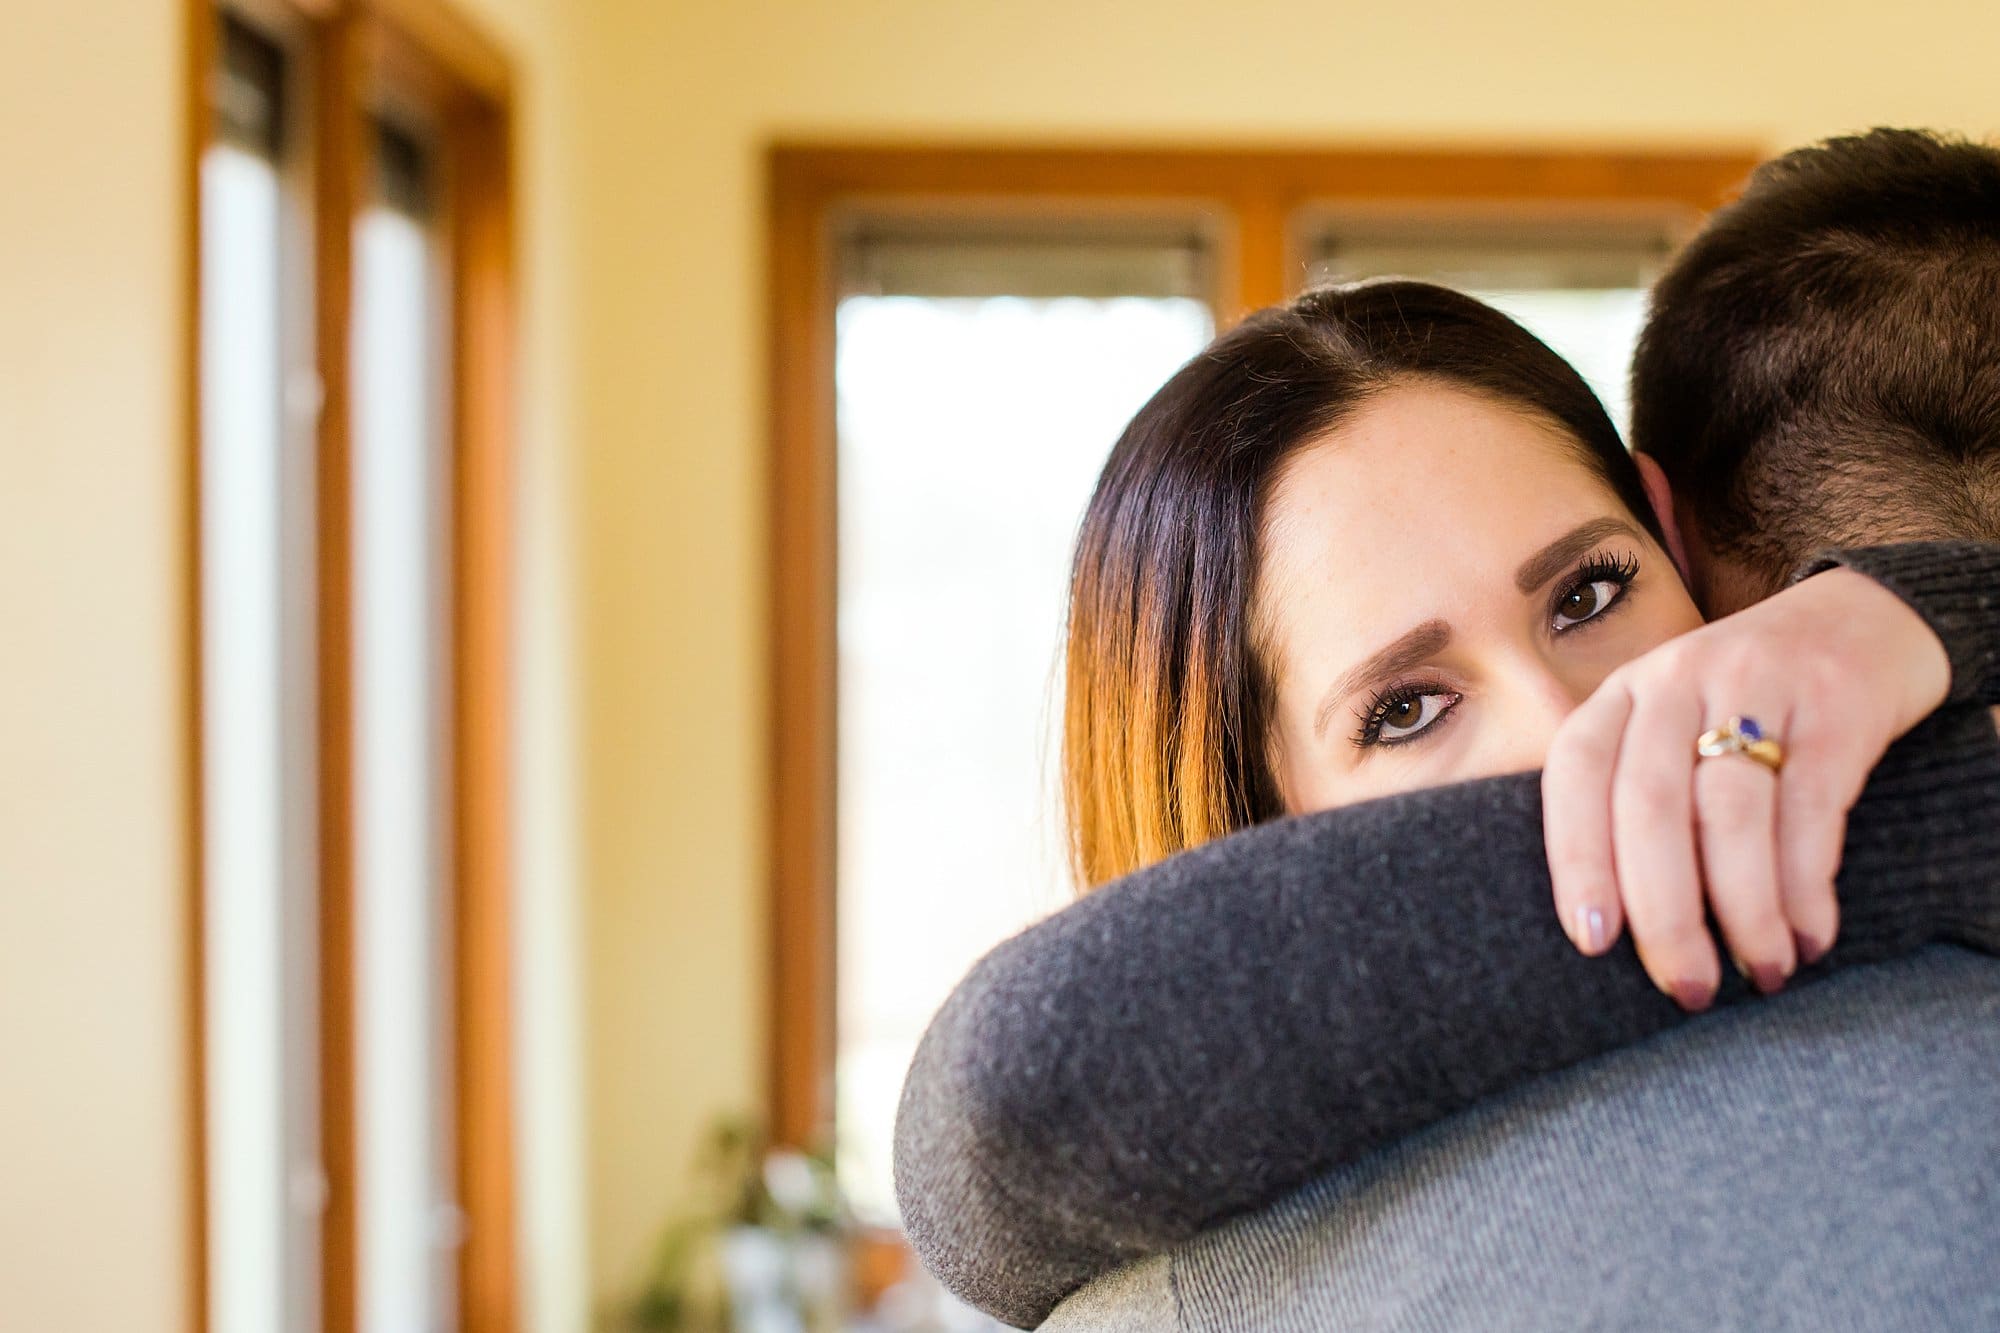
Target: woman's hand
x=1834 y=669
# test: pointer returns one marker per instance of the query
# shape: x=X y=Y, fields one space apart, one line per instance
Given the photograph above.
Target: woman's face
x=1442 y=580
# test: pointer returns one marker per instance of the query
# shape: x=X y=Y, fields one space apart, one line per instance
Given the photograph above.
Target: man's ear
x=1661 y=495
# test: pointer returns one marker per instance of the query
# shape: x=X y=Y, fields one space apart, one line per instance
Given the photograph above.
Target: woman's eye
x=1403 y=717
x=1587 y=600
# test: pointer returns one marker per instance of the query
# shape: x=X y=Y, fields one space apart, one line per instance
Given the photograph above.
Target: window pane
x=1594 y=329
x=243 y=763
x=1577 y=284
x=264 y=1187
x=971 y=432
x=408 y=1223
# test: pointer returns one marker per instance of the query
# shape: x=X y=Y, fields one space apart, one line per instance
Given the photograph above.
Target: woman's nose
x=1539 y=701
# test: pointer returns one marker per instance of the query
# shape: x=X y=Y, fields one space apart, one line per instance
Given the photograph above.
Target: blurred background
x=535 y=537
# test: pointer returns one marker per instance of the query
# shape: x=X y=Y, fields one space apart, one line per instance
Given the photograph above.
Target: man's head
x=1822 y=363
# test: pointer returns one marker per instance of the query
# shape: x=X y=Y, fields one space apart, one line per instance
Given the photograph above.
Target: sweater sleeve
x=1955 y=587
x=1206 y=1034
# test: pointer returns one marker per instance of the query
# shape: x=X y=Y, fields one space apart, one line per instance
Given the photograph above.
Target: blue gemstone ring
x=1741 y=735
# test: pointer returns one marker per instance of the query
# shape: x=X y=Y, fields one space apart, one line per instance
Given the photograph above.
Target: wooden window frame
x=357 y=56
x=1255 y=204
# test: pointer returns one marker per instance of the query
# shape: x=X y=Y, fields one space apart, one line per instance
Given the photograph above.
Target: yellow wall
x=680 y=97
x=92 y=1121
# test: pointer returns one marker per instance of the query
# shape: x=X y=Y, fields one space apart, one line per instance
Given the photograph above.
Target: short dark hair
x=1167 y=706
x=1821 y=365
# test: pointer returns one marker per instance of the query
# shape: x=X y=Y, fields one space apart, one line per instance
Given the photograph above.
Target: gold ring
x=1741 y=735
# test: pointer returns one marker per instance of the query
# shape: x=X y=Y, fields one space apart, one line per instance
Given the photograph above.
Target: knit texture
x=1825 y=1160
x=1955 y=587
x=1195 y=1040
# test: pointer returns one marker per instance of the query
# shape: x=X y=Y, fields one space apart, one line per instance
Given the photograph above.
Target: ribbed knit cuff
x=1955 y=587
x=1931 y=824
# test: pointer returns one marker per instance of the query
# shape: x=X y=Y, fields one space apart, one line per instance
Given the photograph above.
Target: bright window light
x=971 y=434
x=407 y=1220
x=244 y=689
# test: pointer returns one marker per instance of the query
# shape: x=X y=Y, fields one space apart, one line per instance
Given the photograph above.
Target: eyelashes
x=1597 y=585
x=1387 y=719
x=1410 y=710
x=1623 y=566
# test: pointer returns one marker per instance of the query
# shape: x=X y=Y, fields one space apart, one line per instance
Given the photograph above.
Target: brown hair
x=1821 y=366
x=1168 y=691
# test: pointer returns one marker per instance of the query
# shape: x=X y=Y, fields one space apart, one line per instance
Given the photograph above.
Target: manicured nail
x=1691 y=996
x=1768 y=978
x=1810 y=949
x=1589 y=928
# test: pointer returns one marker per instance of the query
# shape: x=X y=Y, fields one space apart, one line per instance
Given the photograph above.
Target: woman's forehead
x=1421 y=504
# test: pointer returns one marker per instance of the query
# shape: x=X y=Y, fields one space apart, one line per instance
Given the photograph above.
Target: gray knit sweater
x=1827 y=1159
x=1200 y=1037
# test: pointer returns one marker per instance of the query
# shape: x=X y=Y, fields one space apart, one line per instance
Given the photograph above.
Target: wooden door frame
x=1250 y=197
x=355 y=53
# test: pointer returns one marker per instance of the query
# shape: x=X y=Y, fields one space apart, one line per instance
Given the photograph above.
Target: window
x=958 y=335
x=407 y=1191
x=1576 y=281
x=959 y=497
x=257 y=418
x=351 y=376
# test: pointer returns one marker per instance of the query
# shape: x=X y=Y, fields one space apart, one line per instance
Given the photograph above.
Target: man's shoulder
x=1805 y=1154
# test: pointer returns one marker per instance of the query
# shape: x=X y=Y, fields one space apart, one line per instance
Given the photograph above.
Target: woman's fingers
x=1815 y=792
x=1576 y=819
x=1652 y=827
x=1839 y=667
x=1736 y=822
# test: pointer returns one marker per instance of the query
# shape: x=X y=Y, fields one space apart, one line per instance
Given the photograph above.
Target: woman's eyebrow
x=1566 y=550
x=1426 y=640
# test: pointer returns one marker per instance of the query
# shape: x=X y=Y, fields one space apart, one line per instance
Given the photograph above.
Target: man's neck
x=1721 y=587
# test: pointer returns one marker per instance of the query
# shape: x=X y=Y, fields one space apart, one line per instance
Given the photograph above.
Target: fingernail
x=1589 y=928
x=1810 y=949
x=1741 y=970
x=1691 y=996
x=1768 y=978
